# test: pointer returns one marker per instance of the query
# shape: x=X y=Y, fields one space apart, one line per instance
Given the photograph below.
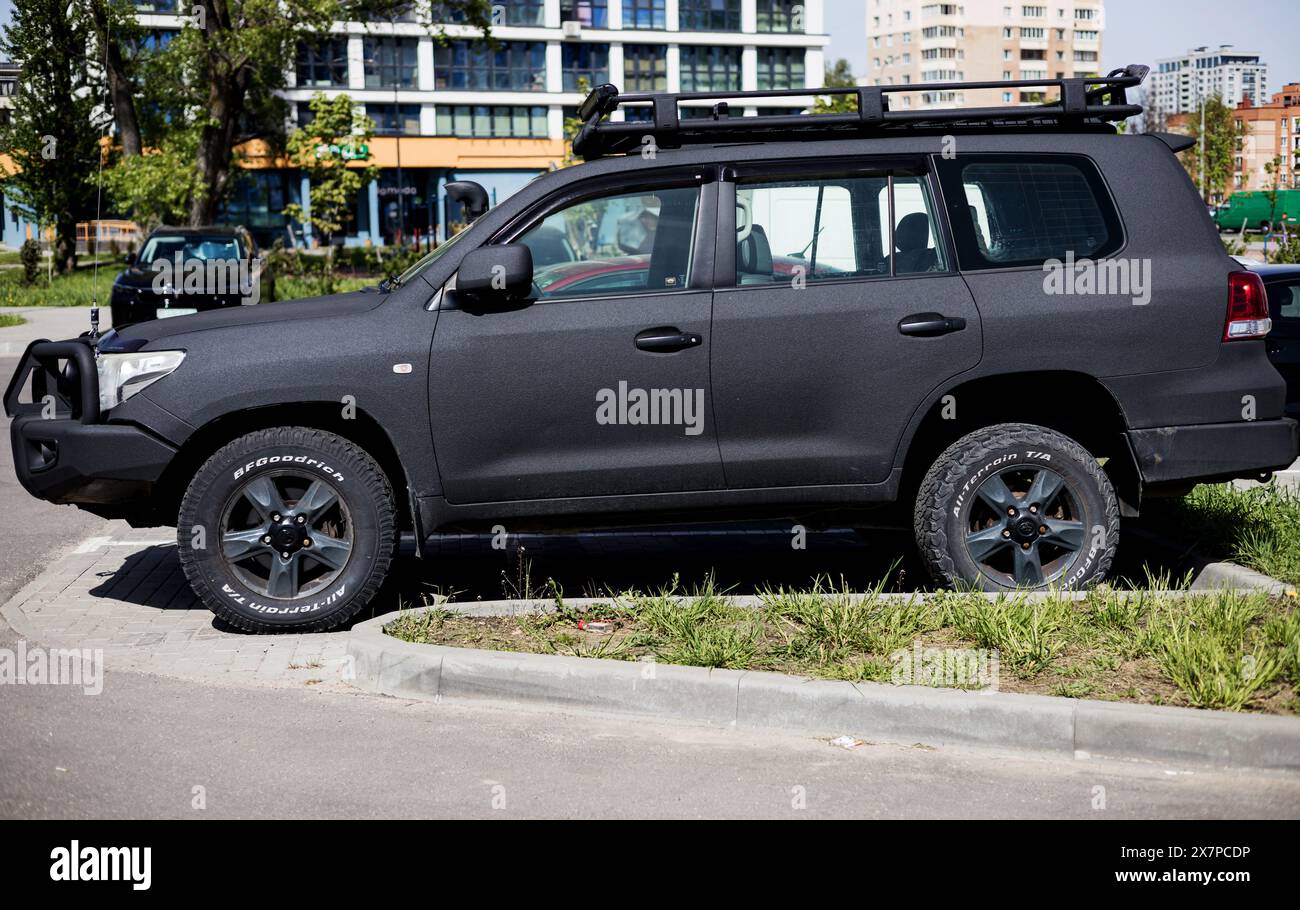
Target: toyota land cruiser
x=1007 y=327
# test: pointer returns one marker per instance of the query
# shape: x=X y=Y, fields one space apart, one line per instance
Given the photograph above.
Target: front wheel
x=287 y=529
x=1016 y=506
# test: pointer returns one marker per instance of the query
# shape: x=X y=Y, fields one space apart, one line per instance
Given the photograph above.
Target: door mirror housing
x=502 y=273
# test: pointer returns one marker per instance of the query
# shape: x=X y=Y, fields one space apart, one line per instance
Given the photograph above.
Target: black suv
x=182 y=271
x=1006 y=328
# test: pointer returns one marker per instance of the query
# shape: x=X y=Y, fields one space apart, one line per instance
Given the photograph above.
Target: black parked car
x=1282 y=283
x=181 y=271
x=844 y=319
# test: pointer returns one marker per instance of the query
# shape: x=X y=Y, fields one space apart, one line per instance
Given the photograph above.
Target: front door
x=599 y=387
x=843 y=313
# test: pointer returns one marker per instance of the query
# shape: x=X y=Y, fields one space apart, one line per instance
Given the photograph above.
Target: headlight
x=122 y=375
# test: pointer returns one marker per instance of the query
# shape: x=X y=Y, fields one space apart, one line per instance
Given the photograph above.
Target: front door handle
x=928 y=325
x=667 y=340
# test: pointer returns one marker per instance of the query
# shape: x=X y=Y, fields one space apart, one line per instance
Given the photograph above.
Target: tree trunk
x=119 y=85
x=65 y=243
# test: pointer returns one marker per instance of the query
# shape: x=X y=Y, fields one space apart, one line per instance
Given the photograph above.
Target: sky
x=1137 y=31
x=1140 y=31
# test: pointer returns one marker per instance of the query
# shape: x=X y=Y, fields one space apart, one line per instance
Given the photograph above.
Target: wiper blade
x=391 y=283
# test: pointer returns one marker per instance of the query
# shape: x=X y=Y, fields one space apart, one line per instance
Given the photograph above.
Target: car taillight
x=1247 y=308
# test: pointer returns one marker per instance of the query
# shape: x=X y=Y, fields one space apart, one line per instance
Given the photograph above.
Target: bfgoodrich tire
x=1016 y=506
x=287 y=529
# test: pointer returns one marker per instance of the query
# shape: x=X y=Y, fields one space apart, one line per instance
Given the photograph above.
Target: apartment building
x=449 y=108
x=920 y=41
x=1268 y=132
x=1177 y=84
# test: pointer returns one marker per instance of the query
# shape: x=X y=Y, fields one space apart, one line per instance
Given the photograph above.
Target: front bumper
x=62 y=453
x=1209 y=453
x=88 y=463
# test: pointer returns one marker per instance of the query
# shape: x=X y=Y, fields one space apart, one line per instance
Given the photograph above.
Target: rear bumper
x=1214 y=452
x=88 y=464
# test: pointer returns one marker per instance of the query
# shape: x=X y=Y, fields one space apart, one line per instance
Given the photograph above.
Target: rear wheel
x=1016 y=506
x=288 y=529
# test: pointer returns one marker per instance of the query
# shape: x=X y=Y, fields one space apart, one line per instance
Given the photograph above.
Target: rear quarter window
x=1023 y=210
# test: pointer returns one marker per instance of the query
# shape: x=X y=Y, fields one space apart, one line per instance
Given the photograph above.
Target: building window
x=645 y=67
x=644 y=14
x=587 y=63
x=780 y=67
x=395 y=119
x=501 y=12
x=518 y=66
x=781 y=16
x=324 y=63
x=390 y=62
x=591 y=13
x=710 y=69
x=708 y=15
x=490 y=121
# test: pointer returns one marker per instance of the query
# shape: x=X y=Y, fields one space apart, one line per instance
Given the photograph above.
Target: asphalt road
x=141 y=748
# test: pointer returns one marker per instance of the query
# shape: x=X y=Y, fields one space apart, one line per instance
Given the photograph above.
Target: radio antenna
x=99 y=198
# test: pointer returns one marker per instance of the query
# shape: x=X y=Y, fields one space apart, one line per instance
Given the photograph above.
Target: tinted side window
x=827 y=228
x=1023 y=210
x=632 y=242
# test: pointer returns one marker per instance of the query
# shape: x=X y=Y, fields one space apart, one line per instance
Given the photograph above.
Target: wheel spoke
x=994 y=492
x=329 y=551
x=1044 y=489
x=316 y=501
x=237 y=545
x=1028 y=568
x=264 y=497
x=1068 y=535
x=284 y=577
x=983 y=544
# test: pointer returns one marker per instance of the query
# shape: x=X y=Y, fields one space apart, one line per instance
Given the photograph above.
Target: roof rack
x=1085 y=104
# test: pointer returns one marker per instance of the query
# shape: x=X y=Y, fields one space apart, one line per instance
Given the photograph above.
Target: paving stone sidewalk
x=126 y=594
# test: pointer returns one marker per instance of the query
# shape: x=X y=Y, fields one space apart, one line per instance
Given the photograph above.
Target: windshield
x=427 y=260
x=166 y=246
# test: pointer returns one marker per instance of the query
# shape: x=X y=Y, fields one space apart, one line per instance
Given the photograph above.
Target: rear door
x=1283 y=343
x=836 y=313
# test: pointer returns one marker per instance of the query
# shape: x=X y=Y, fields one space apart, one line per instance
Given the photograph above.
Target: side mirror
x=129 y=259
x=501 y=273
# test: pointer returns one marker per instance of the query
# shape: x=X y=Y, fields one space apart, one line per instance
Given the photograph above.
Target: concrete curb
x=874 y=712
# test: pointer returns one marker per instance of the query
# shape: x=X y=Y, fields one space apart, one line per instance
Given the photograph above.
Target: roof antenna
x=99 y=201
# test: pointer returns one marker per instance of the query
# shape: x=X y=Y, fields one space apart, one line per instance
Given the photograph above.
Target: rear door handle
x=928 y=325
x=667 y=340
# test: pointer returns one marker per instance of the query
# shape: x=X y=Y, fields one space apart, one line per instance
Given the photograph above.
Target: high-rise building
x=1268 y=134
x=458 y=110
x=917 y=41
x=1177 y=84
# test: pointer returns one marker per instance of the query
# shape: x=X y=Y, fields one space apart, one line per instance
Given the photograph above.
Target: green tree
x=321 y=149
x=838 y=76
x=52 y=136
x=1221 y=139
x=231 y=56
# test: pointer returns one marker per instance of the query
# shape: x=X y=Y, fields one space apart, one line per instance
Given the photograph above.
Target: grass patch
x=9 y=320
x=1212 y=650
x=1257 y=527
x=75 y=289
